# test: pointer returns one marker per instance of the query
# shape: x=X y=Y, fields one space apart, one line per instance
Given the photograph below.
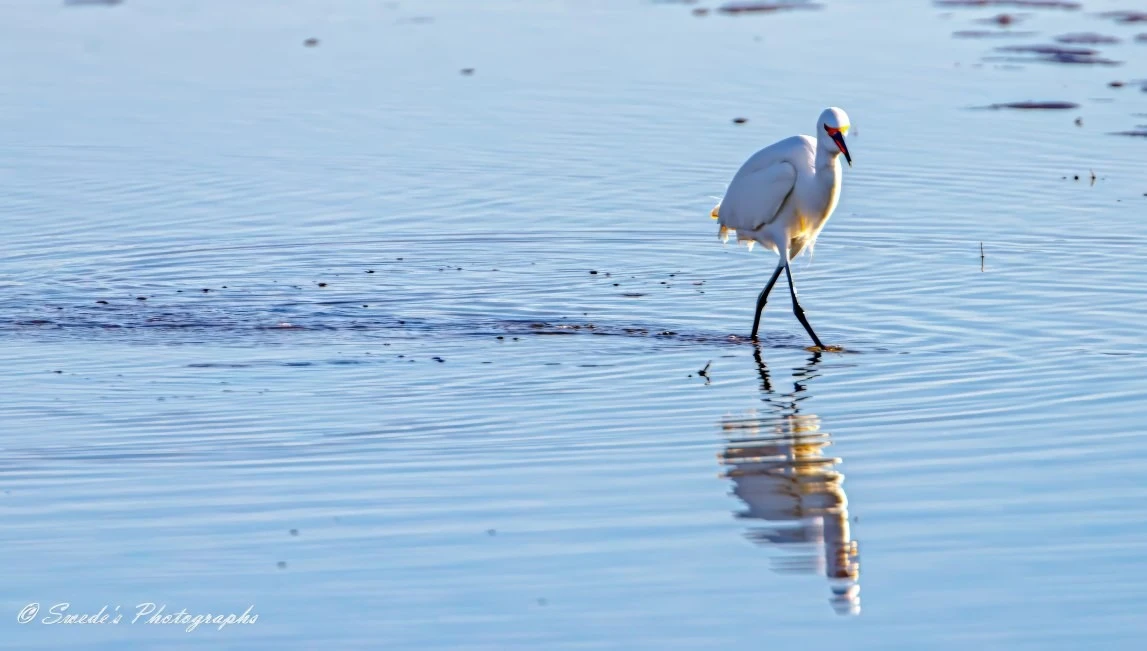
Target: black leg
x=762 y=298
x=799 y=311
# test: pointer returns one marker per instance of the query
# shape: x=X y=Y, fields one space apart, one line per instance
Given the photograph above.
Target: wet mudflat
x=409 y=358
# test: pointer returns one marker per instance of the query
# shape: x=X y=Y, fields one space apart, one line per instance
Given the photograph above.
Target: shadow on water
x=778 y=468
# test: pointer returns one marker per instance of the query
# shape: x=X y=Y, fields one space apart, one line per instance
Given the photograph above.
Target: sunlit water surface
x=318 y=330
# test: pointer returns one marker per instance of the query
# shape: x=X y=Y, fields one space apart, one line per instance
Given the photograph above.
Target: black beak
x=838 y=138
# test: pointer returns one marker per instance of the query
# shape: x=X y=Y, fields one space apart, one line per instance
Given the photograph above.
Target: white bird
x=783 y=195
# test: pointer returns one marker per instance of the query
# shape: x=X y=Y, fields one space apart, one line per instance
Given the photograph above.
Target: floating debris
x=700 y=11
x=740 y=120
x=311 y=42
x=764 y=7
x=1034 y=106
x=1138 y=133
x=467 y=71
x=1079 y=122
x=91 y=3
x=294 y=532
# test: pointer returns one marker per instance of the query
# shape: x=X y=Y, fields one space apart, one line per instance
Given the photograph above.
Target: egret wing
x=756 y=195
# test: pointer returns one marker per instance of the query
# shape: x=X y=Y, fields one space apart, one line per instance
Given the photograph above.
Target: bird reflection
x=777 y=464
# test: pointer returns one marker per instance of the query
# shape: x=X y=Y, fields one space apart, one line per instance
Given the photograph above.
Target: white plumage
x=783 y=195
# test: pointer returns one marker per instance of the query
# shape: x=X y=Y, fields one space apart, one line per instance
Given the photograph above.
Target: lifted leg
x=798 y=310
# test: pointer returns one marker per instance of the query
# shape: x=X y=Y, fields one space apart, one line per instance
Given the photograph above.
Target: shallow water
x=404 y=355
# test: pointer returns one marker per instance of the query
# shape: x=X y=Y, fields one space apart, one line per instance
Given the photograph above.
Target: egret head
x=830 y=131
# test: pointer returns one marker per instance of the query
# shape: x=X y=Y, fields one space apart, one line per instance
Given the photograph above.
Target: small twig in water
x=705 y=371
x=981 y=256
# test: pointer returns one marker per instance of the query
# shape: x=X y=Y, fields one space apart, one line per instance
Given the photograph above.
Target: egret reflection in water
x=779 y=470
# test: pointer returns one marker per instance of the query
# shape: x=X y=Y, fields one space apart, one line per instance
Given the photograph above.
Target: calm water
x=406 y=414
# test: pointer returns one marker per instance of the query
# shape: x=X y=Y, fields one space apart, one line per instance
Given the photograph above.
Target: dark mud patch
x=1069 y=59
x=1003 y=20
x=1125 y=17
x=736 y=8
x=986 y=33
x=548 y=328
x=1049 y=49
x=1054 y=54
x=1033 y=106
x=1025 y=4
x=193 y=327
x=1087 y=38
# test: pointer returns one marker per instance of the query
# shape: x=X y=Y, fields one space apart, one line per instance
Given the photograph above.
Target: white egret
x=783 y=195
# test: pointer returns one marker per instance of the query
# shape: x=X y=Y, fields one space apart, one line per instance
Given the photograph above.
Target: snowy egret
x=783 y=195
